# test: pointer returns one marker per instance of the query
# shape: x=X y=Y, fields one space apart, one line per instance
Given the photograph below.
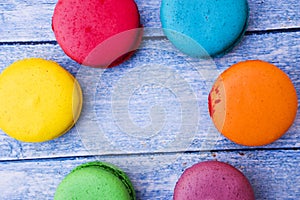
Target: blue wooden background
x=149 y=116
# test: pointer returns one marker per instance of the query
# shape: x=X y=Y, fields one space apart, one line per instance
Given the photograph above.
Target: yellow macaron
x=39 y=100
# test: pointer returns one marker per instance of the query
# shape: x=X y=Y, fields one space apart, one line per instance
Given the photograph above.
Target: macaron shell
x=213 y=180
x=39 y=100
x=201 y=28
x=81 y=26
x=95 y=180
x=253 y=103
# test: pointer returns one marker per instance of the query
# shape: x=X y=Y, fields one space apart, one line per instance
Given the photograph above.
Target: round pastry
x=97 y=33
x=253 y=103
x=204 y=28
x=213 y=180
x=39 y=100
x=95 y=180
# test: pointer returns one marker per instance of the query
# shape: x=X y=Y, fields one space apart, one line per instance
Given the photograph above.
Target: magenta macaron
x=97 y=33
x=213 y=180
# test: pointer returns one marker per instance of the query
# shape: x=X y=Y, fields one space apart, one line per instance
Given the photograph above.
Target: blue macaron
x=204 y=28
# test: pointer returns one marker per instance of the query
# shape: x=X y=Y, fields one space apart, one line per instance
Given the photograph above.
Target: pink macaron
x=97 y=33
x=213 y=180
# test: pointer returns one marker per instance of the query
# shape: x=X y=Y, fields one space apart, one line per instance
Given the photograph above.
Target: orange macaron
x=253 y=103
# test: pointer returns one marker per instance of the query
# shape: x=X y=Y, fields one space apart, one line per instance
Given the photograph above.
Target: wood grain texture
x=31 y=20
x=156 y=60
x=134 y=114
x=273 y=174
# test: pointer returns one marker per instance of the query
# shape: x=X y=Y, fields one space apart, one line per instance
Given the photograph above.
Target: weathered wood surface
x=140 y=132
x=99 y=88
x=30 y=20
x=273 y=174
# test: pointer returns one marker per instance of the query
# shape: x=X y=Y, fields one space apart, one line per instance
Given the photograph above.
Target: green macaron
x=95 y=180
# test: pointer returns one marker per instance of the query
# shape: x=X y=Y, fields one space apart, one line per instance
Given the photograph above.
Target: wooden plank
x=156 y=65
x=273 y=174
x=31 y=20
x=172 y=82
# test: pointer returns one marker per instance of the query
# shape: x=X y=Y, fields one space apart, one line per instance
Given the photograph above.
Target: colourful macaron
x=97 y=33
x=95 y=180
x=253 y=103
x=39 y=100
x=213 y=180
x=204 y=28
